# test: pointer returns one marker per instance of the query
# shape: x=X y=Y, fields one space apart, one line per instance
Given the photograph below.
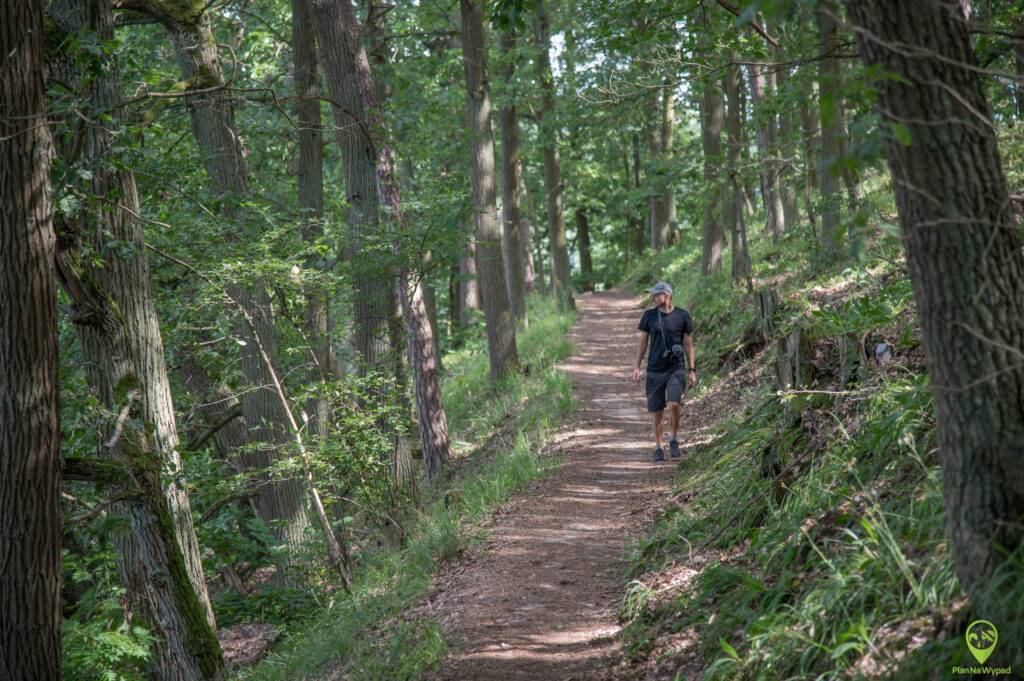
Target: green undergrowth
x=816 y=521
x=375 y=633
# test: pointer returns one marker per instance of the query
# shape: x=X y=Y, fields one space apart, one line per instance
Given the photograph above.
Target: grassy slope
x=500 y=434
x=840 y=566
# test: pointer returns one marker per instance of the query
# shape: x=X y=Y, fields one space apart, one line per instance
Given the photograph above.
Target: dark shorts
x=671 y=384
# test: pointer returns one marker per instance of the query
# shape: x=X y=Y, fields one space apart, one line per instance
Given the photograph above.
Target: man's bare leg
x=658 y=427
x=674 y=412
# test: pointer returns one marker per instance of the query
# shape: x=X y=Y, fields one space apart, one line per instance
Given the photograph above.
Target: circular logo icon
x=981 y=639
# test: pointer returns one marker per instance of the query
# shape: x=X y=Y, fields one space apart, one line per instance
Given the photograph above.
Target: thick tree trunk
x=30 y=475
x=711 y=118
x=831 y=130
x=352 y=86
x=561 y=282
x=120 y=334
x=734 y=209
x=511 y=215
x=501 y=331
x=964 y=253
x=311 y=206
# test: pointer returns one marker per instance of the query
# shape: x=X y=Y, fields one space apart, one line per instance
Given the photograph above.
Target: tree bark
x=668 y=196
x=534 y=261
x=501 y=332
x=561 y=282
x=711 y=118
x=469 y=282
x=964 y=253
x=785 y=143
x=809 y=134
x=766 y=151
x=655 y=208
x=831 y=131
x=734 y=216
x=508 y=121
x=583 y=238
x=641 y=242
x=525 y=221
x=311 y=207
x=30 y=475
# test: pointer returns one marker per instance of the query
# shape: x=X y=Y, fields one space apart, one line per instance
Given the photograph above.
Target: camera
x=676 y=351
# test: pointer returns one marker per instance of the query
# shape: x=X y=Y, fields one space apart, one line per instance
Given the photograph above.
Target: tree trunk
x=759 y=91
x=561 y=283
x=282 y=503
x=30 y=475
x=501 y=331
x=533 y=270
x=964 y=253
x=469 y=282
x=711 y=118
x=116 y=320
x=668 y=198
x=641 y=242
x=785 y=142
x=454 y=298
x=655 y=208
x=831 y=131
x=510 y=168
x=628 y=203
x=583 y=238
x=311 y=206
x=809 y=134
x=352 y=86
x=734 y=215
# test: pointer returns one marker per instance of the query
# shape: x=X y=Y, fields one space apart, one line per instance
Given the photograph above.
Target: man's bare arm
x=641 y=349
x=688 y=345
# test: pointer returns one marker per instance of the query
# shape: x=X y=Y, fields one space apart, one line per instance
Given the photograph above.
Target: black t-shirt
x=677 y=323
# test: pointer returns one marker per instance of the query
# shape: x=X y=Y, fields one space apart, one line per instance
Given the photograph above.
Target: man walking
x=669 y=330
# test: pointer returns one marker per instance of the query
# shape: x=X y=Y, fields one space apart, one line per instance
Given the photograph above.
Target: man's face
x=660 y=298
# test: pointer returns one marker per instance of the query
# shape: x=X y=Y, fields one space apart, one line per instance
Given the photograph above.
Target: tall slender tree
x=30 y=476
x=501 y=337
x=311 y=205
x=966 y=260
x=561 y=282
x=831 y=131
x=711 y=119
x=508 y=121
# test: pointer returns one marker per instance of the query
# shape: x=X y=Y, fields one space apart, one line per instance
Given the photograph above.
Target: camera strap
x=664 y=337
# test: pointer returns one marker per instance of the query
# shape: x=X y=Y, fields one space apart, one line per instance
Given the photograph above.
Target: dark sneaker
x=659 y=455
x=673 y=449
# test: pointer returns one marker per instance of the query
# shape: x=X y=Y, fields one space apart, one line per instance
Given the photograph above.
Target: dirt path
x=538 y=599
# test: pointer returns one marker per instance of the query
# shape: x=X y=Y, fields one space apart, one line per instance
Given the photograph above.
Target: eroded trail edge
x=537 y=599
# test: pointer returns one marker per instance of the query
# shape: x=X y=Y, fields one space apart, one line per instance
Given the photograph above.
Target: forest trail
x=538 y=599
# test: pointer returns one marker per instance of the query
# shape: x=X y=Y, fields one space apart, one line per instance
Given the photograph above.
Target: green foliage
x=370 y=632
x=849 y=560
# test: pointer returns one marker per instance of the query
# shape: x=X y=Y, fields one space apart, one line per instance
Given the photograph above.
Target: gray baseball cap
x=660 y=287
